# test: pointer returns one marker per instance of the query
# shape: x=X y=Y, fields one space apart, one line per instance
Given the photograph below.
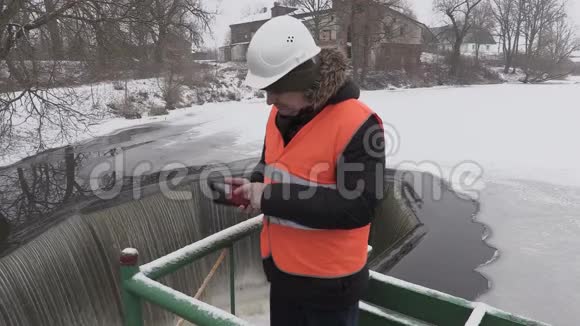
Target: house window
x=402 y=30
x=388 y=30
x=473 y=46
x=325 y=35
x=488 y=47
x=332 y=18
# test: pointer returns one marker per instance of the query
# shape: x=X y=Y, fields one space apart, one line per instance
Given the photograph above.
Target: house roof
x=254 y=18
x=301 y=13
x=266 y=14
x=416 y=22
x=305 y=14
x=475 y=35
x=400 y=14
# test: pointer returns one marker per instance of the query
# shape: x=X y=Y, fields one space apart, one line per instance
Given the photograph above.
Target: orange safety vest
x=310 y=158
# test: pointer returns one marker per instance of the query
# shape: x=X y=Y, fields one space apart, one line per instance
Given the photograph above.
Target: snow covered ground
x=525 y=139
x=522 y=139
x=427 y=57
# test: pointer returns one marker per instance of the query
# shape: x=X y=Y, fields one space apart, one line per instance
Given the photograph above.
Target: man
x=319 y=179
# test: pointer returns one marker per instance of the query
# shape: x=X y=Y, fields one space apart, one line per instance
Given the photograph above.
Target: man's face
x=288 y=103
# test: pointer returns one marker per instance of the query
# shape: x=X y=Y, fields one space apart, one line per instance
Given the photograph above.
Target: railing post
x=132 y=311
x=232 y=281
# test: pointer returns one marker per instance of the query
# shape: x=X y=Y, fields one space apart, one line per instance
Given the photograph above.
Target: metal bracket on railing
x=477 y=315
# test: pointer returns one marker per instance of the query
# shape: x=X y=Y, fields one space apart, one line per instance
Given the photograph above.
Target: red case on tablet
x=223 y=194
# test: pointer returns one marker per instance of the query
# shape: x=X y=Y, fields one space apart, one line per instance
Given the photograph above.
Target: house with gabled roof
x=401 y=48
x=477 y=41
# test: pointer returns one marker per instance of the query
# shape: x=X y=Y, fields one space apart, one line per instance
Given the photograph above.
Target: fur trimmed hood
x=332 y=76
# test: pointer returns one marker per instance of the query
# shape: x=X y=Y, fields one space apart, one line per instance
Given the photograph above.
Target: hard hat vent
x=269 y=60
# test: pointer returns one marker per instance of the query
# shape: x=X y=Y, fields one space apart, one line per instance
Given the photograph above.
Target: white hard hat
x=280 y=45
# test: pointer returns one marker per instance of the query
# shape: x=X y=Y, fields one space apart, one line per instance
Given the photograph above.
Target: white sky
x=232 y=10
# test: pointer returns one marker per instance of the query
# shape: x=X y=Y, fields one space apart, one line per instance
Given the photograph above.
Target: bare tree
x=13 y=27
x=176 y=17
x=561 y=41
x=25 y=100
x=539 y=17
x=459 y=14
x=57 y=47
x=35 y=35
x=558 y=42
x=30 y=98
x=509 y=18
x=483 y=24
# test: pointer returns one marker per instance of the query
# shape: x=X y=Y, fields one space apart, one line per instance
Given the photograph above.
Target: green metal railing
x=139 y=282
x=388 y=301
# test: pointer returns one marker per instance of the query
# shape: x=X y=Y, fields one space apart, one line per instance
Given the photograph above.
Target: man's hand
x=250 y=191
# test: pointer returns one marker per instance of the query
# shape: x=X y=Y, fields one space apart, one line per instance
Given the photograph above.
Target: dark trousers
x=287 y=313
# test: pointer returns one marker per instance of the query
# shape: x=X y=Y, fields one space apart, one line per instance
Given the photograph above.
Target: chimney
x=278 y=10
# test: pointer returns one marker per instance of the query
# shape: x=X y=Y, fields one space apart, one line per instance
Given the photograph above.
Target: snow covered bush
x=155 y=110
x=125 y=109
x=118 y=85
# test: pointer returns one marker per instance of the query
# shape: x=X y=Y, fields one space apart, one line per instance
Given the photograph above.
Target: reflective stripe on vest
x=310 y=159
x=272 y=174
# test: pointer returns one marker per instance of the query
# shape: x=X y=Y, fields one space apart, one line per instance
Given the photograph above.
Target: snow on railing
x=177 y=259
x=139 y=282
